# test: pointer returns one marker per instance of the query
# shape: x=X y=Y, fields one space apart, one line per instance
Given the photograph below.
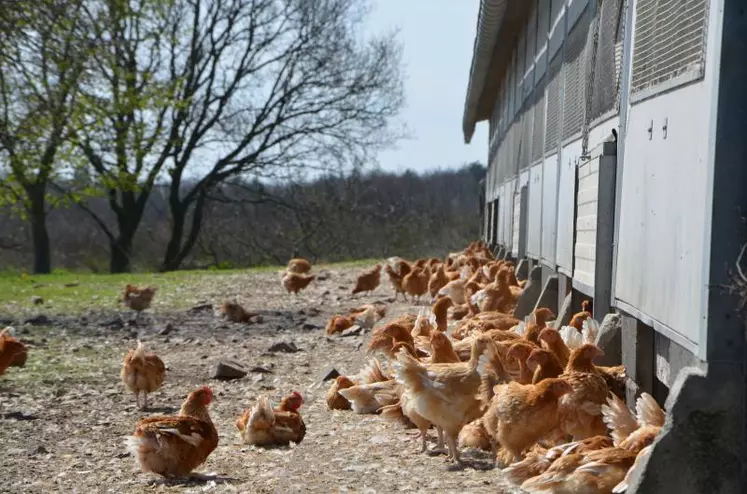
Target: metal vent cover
x=538 y=121
x=554 y=105
x=606 y=67
x=670 y=39
x=575 y=77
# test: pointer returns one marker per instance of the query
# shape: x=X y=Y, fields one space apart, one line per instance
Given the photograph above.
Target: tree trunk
x=121 y=253
x=40 y=235
x=177 y=251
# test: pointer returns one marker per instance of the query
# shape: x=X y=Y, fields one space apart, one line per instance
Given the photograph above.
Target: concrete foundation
x=522 y=269
x=549 y=296
x=637 y=347
x=531 y=294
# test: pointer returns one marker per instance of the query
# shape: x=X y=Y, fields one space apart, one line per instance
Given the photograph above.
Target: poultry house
x=138 y=299
x=264 y=426
x=368 y=281
x=142 y=373
x=174 y=446
x=294 y=282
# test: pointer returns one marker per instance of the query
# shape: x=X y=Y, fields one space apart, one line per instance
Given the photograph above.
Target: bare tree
x=200 y=91
x=43 y=50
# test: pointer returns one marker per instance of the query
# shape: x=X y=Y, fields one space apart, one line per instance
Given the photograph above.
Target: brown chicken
x=437 y=281
x=294 y=282
x=264 y=426
x=633 y=432
x=474 y=435
x=616 y=378
x=581 y=410
x=519 y=352
x=443 y=351
x=174 y=446
x=550 y=339
x=441 y=311
x=335 y=401
x=577 y=321
x=537 y=322
x=415 y=283
x=395 y=278
x=520 y=415
x=545 y=365
x=11 y=351
x=299 y=265
x=142 y=372
x=234 y=312
x=368 y=281
x=138 y=299
x=443 y=394
x=338 y=324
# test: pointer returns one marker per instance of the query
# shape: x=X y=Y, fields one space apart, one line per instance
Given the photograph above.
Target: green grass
x=66 y=292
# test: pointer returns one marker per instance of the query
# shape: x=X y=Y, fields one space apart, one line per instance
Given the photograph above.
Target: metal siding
x=586 y=222
x=566 y=205
x=538 y=122
x=516 y=217
x=534 y=228
x=574 y=75
x=549 y=208
x=660 y=254
x=553 y=115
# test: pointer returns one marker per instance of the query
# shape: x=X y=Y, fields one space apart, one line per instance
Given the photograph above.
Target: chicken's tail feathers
x=411 y=373
x=262 y=415
x=531 y=466
x=618 y=419
x=372 y=373
x=648 y=411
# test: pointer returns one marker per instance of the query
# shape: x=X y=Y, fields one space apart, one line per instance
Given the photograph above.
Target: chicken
x=404 y=409
x=368 y=315
x=537 y=322
x=440 y=311
x=138 y=299
x=398 y=331
x=455 y=291
x=443 y=394
x=437 y=281
x=401 y=269
x=389 y=346
x=174 y=446
x=550 y=339
x=338 y=324
x=363 y=397
x=299 y=265
x=294 y=282
x=545 y=365
x=415 y=283
x=580 y=410
x=640 y=460
x=519 y=352
x=578 y=318
x=335 y=401
x=142 y=372
x=474 y=435
x=234 y=312
x=11 y=350
x=520 y=415
x=442 y=351
x=633 y=432
x=368 y=281
x=264 y=426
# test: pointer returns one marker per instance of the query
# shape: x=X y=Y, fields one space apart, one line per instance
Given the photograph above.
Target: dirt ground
x=65 y=416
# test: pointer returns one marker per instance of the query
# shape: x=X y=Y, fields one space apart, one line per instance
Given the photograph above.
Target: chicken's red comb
x=209 y=392
x=296 y=394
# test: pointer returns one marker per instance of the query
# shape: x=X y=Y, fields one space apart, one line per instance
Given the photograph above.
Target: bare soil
x=64 y=417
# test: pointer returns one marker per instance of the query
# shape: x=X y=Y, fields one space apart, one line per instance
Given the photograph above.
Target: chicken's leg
x=424 y=438
x=137 y=399
x=145 y=400
x=453 y=449
x=440 y=448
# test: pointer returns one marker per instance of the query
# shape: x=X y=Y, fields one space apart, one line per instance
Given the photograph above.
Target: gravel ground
x=64 y=417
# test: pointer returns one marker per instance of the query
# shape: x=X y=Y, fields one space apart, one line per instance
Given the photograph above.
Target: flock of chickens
x=526 y=391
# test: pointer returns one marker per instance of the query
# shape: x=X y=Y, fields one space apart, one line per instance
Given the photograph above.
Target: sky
x=437 y=37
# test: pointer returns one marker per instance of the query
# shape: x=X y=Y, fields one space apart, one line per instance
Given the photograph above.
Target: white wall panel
x=566 y=205
x=534 y=223
x=549 y=209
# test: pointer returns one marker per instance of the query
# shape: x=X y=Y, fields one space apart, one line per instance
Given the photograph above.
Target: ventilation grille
x=538 y=121
x=526 y=137
x=670 y=41
x=607 y=65
x=575 y=77
x=554 y=105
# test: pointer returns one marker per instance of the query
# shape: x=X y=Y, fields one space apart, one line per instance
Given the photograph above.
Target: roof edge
x=489 y=22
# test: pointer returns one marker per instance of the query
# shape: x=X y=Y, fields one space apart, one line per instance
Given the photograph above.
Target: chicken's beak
x=600 y=352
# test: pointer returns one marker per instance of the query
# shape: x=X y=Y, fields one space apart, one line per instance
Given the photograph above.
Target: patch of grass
x=58 y=361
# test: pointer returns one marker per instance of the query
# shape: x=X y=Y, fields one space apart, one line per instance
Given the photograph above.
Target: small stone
x=258 y=320
x=284 y=346
x=352 y=331
x=115 y=323
x=37 y=300
x=308 y=326
x=261 y=369
x=72 y=285
x=228 y=369
x=379 y=440
x=201 y=307
x=39 y=450
x=168 y=329
x=258 y=378
x=330 y=373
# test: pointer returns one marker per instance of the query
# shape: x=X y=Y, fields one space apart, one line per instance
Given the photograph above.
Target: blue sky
x=437 y=36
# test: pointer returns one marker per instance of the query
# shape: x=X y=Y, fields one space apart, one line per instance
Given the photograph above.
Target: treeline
x=360 y=215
